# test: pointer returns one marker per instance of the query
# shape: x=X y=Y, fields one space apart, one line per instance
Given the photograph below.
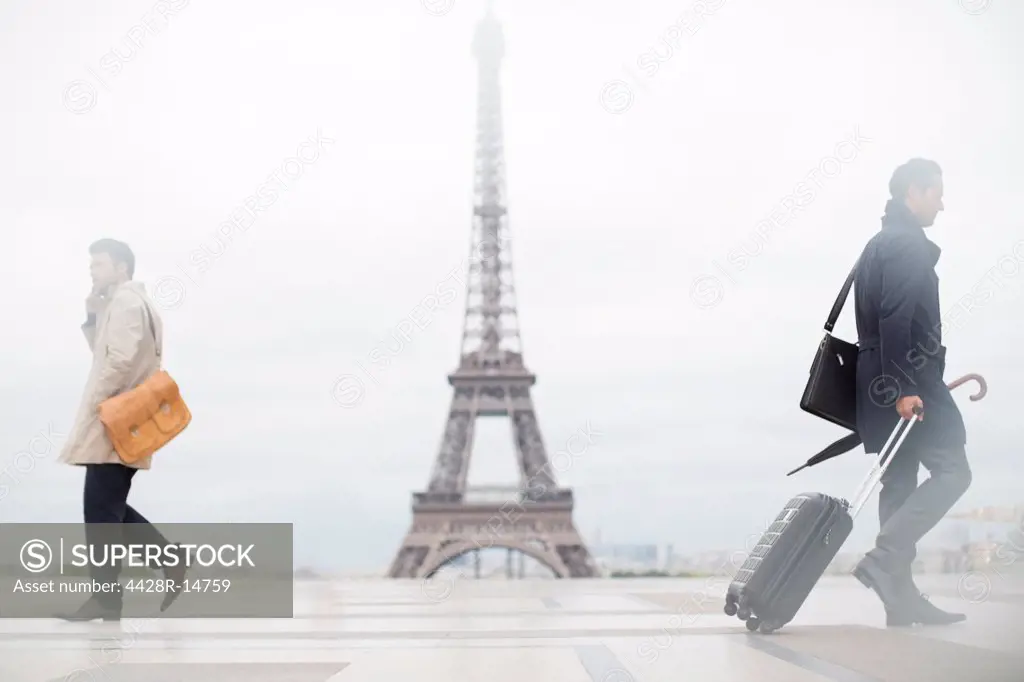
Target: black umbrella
x=850 y=441
x=841 y=446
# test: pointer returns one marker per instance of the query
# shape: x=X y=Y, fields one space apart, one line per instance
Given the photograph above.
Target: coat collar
x=131 y=285
x=898 y=218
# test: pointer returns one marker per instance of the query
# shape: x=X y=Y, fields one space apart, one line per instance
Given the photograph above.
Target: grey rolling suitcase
x=793 y=553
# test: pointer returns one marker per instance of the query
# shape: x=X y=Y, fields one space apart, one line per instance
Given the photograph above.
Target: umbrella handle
x=982 y=385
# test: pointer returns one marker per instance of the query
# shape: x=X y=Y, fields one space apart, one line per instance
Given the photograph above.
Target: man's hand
x=906 y=406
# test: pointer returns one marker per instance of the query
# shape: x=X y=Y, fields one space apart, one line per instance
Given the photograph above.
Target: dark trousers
x=906 y=511
x=105 y=502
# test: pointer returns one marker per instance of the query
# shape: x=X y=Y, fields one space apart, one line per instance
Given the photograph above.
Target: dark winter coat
x=896 y=294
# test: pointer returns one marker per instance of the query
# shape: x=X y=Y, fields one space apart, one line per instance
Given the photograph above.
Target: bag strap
x=837 y=307
x=152 y=326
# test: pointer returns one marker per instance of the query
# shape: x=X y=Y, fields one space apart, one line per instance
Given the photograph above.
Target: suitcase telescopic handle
x=882 y=463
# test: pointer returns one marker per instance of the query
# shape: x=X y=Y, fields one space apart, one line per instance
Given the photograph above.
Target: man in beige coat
x=124 y=333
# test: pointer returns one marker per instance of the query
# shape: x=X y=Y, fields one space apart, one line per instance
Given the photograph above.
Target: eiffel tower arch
x=534 y=517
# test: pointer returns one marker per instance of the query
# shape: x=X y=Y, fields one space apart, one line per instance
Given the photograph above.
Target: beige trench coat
x=124 y=354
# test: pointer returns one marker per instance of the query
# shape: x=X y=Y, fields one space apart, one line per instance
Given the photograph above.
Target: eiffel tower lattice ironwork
x=535 y=517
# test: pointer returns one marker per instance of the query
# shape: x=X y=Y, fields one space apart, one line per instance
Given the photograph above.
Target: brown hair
x=914 y=173
x=118 y=251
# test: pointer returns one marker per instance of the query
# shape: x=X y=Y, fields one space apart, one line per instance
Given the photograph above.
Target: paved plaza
x=612 y=630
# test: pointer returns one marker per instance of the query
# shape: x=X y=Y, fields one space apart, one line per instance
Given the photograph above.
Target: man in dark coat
x=899 y=370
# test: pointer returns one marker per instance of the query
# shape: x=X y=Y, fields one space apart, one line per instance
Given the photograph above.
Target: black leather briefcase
x=831 y=390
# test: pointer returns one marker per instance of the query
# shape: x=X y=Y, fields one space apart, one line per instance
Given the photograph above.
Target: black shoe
x=890 y=588
x=903 y=616
x=94 y=609
x=927 y=613
x=176 y=574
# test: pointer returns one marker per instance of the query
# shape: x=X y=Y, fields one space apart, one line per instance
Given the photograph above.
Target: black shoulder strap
x=837 y=307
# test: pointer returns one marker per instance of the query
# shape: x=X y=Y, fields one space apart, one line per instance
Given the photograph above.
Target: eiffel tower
x=533 y=518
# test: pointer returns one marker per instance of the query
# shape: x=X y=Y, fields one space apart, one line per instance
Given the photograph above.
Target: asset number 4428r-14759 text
x=168 y=585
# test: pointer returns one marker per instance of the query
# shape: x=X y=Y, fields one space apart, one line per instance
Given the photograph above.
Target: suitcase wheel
x=766 y=627
x=744 y=614
x=731 y=608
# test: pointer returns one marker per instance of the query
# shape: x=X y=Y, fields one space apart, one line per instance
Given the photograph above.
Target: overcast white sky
x=615 y=211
